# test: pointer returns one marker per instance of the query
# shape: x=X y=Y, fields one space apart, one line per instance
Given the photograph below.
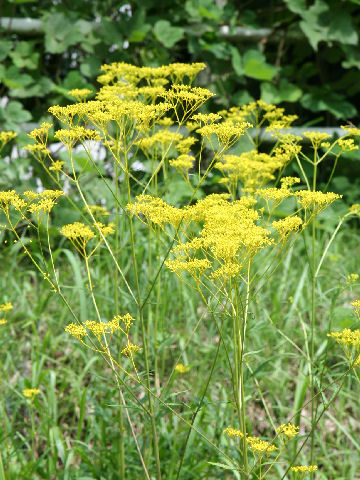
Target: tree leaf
x=167 y=34
x=255 y=66
x=236 y=62
x=284 y=92
x=322 y=23
x=325 y=99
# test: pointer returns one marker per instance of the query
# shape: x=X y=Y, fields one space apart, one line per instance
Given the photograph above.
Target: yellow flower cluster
x=130 y=349
x=97 y=210
x=228 y=235
x=182 y=163
x=36 y=203
x=347 y=337
x=76 y=134
x=317 y=200
x=347 y=144
x=31 y=392
x=41 y=134
x=5 y=307
x=155 y=210
x=180 y=368
x=6 y=137
x=121 y=71
x=255 y=444
x=287 y=225
x=349 y=340
x=185 y=100
x=352 y=278
x=304 y=469
x=227 y=133
x=287 y=431
x=80 y=234
x=162 y=138
x=260 y=447
x=316 y=138
x=80 y=94
x=252 y=168
x=260 y=113
x=100 y=329
x=351 y=131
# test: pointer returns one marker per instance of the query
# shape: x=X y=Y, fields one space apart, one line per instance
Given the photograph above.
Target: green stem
x=143 y=331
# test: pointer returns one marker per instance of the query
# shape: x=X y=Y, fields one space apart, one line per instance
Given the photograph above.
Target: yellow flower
x=31 y=392
x=304 y=469
x=287 y=225
x=130 y=349
x=80 y=94
x=56 y=166
x=352 y=278
x=288 y=431
x=5 y=307
x=182 y=162
x=233 y=432
x=6 y=137
x=3 y=321
x=347 y=145
x=182 y=368
x=347 y=337
x=77 y=331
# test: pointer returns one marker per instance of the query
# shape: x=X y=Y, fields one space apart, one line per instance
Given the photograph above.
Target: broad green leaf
x=199 y=9
x=325 y=99
x=90 y=67
x=24 y=56
x=137 y=28
x=5 y=47
x=13 y=114
x=352 y=57
x=61 y=32
x=236 y=62
x=296 y=6
x=242 y=97
x=284 y=92
x=219 y=49
x=324 y=23
x=255 y=66
x=38 y=88
x=13 y=78
x=167 y=34
x=111 y=32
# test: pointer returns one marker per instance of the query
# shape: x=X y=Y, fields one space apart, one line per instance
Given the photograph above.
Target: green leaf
x=352 y=57
x=90 y=67
x=236 y=62
x=284 y=92
x=223 y=466
x=167 y=34
x=13 y=78
x=13 y=114
x=296 y=6
x=325 y=99
x=255 y=66
x=200 y=9
x=324 y=23
x=137 y=28
x=5 y=47
x=24 y=56
x=111 y=32
x=38 y=88
x=61 y=32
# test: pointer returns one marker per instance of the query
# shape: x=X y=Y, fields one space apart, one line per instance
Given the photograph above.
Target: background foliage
x=311 y=57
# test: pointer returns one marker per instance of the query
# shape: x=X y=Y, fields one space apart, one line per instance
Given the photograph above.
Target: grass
x=76 y=413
